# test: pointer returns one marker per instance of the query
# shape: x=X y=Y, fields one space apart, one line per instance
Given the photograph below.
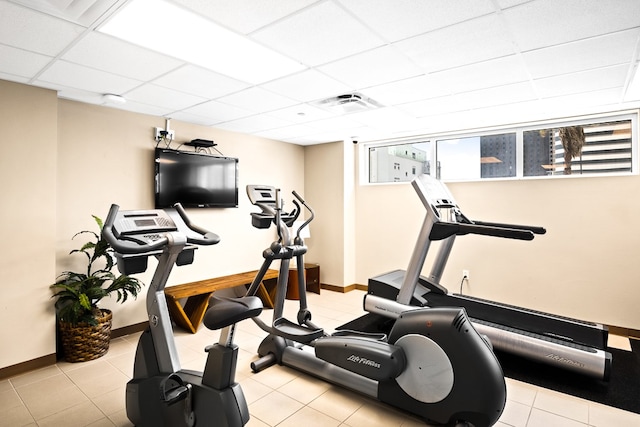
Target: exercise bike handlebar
x=124 y=246
x=131 y=247
x=208 y=237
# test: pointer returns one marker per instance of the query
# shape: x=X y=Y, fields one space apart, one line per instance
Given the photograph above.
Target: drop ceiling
x=429 y=66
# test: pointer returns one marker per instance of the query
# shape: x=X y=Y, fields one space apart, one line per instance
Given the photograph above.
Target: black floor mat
x=621 y=391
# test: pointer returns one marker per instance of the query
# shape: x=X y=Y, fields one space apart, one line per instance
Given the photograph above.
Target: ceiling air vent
x=349 y=103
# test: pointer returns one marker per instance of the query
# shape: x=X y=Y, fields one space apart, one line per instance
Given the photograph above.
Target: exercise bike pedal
x=173 y=389
x=292 y=331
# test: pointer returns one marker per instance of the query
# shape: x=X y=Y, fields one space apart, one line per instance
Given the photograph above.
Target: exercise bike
x=160 y=392
x=432 y=364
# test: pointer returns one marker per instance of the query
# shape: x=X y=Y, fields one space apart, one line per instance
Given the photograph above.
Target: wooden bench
x=198 y=293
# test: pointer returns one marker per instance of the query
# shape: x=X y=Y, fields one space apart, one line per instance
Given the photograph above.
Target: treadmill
x=563 y=342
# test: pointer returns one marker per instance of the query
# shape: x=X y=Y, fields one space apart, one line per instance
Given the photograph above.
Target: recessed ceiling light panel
x=167 y=28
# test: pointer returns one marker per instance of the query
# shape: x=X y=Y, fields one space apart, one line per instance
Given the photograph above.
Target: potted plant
x=85 y=329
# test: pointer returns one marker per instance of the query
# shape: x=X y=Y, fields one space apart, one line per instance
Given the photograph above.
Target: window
x=489 y=156
x=398 y=163
x=592 y=148
x=582 y=146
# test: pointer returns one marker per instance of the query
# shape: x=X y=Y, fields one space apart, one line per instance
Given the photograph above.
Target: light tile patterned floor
x=92 y=393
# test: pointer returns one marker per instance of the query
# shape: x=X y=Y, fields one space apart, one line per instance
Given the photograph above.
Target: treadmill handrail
x=533 y=228
x=443 y=230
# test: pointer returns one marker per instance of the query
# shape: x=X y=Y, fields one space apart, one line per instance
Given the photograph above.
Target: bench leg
x=190 y=316
x=195 y=307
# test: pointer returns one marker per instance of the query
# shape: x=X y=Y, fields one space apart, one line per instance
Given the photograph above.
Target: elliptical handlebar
x=304 y=203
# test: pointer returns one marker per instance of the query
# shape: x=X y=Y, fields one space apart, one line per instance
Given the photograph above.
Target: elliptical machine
x=433 y=363
x=161 y=393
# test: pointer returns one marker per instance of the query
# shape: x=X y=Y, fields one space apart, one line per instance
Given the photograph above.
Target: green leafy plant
x=78 y=294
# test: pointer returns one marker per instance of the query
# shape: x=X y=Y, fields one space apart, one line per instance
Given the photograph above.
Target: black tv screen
x=195 y=179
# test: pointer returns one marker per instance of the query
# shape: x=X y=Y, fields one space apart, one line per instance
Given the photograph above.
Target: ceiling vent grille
x=349 y=103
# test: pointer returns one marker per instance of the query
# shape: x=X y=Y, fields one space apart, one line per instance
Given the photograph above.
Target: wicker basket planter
x=83 y=342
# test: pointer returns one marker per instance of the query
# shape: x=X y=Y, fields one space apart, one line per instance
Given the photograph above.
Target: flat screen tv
x=195 y=179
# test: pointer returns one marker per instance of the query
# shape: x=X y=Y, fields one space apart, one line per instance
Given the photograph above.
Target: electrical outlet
x=160 y=133
x=465 y=274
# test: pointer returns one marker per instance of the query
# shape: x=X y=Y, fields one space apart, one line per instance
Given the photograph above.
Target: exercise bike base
x=219 y=405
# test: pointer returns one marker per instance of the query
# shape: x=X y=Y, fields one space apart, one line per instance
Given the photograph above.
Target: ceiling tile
x=400 y=19
x=318 y=34
x=139 y=107
x=382 y=65
x=84 y=78
x=580 y=103
x=199 y=81
x=307 y=86
x=389 y=119
x=286 y=132
x=161 y=96
x=544 y=23
x=429 y=107
x=192 y=118
x=13 y=78
x=585 y=81
x=301 y=113
x=257 y=100
x=513 y=93
x=505 y=4
x=23 y=28
x=83 y=12
x=217 y=111
x=481 y=75
x=256 y=123
x=245 y=16
x=341 y=123
x=408 y=90
x=107 y=53
x=611 y=49
x=472 y=41
x=21 y=62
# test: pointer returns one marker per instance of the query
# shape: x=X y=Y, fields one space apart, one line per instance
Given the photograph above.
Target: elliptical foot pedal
x=360 y=334
x=292 y=331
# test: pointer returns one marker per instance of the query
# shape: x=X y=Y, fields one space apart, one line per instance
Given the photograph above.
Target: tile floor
x=92 y=393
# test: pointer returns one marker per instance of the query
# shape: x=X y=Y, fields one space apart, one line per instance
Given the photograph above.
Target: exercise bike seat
x=223 y=312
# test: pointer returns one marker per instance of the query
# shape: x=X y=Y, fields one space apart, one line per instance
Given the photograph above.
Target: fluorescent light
x=169 y=29
x=633 y=91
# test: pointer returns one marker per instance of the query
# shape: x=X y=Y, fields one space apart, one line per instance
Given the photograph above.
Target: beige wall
x=584 y=267
x=82 y=158
x=324 y=179
x=28 y=120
